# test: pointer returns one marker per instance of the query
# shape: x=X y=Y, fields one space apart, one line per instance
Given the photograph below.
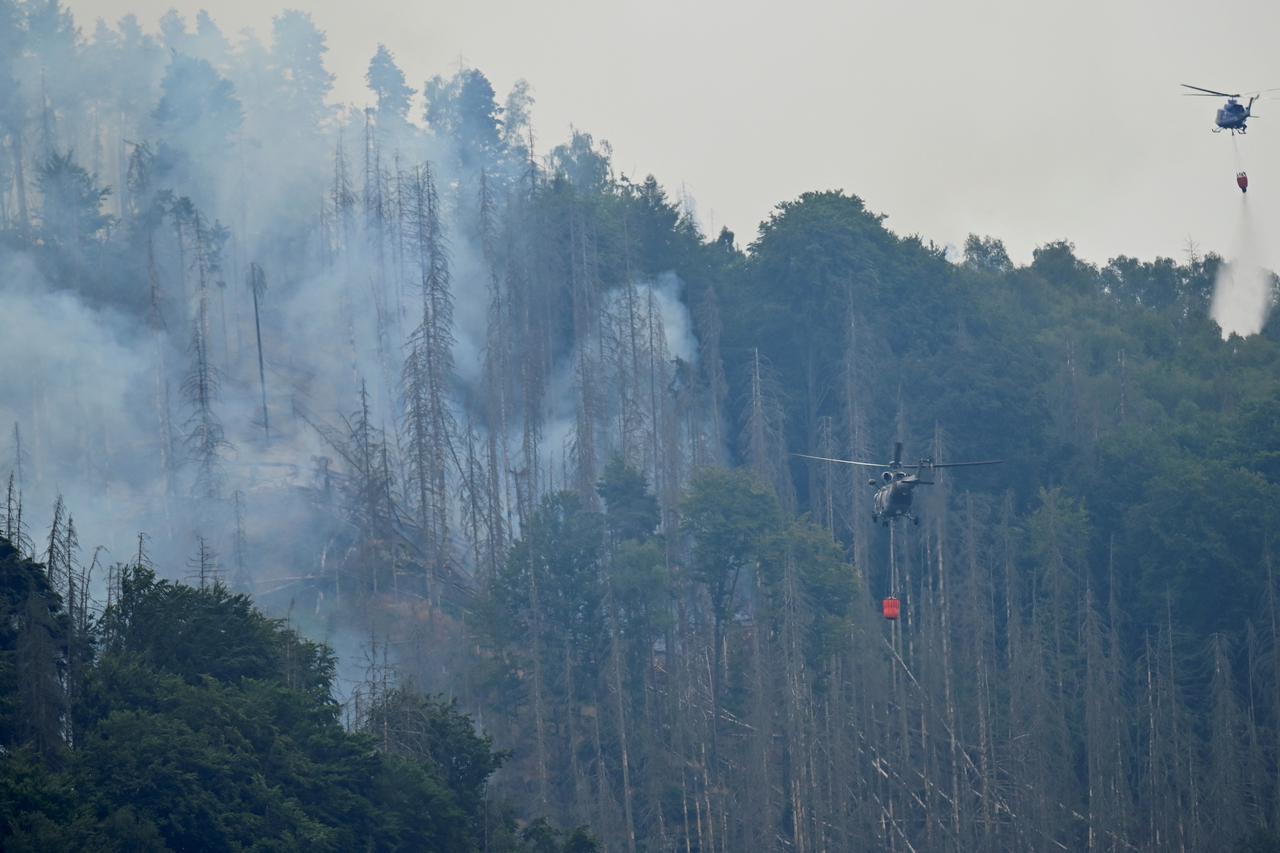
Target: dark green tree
x=297 y=58
x=464 y=109
x=387 y=83
x=71 y=214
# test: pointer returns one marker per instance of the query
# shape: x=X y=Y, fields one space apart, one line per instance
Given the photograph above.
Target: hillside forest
x=389 y=477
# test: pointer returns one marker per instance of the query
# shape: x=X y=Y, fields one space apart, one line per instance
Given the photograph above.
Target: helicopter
x=1232 y=115
x=894 y=485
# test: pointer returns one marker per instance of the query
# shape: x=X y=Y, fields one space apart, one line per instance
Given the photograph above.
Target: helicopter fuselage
x=1232 y=116
x=893 y=496
x=892 y=500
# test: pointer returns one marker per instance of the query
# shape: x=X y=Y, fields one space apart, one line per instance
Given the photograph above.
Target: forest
x=384 y=476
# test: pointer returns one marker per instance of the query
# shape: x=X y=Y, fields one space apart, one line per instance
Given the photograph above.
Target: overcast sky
x=1020 y=119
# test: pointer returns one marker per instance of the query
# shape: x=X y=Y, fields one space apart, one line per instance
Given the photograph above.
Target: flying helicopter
x=896 y=482
x=1232 y=115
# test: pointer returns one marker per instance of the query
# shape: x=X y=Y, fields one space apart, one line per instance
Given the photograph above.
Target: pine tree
x=387 y=82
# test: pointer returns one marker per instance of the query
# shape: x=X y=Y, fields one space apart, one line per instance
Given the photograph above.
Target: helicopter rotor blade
x=897 y=453
x=961 y=464
x=843 y=461
x=1209 y=91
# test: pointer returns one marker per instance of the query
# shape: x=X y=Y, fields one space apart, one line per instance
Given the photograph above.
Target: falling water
x=1242 y=292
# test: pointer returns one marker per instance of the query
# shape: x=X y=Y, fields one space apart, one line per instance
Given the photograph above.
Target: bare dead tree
x=583 y=286
x=498 y=386
x=15 y=528
x=258 y=289
x=204 y=564
x=711 y=328
x=241 y=580
x=205 y=439
x=762 y=432
x=428 y=370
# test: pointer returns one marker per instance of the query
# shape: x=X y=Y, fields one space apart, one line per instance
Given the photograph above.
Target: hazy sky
x=1025 y=120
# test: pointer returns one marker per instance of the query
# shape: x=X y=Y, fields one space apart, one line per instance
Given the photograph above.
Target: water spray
x=1242 y=291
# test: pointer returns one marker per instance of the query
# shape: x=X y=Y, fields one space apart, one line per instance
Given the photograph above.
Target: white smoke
x=660 y=302
x=1242 y=293
x=677 y=325
x=76 y=386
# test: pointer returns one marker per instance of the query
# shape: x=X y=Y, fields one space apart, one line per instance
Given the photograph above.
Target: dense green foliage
x=202 y=724
x=1120 y=555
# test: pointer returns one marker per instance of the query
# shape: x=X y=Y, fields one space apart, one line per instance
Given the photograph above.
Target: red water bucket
x=1242 y=181
x=892 y=608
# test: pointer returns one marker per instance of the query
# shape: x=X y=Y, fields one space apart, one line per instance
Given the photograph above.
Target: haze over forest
x=502 y=427
x=950 y=118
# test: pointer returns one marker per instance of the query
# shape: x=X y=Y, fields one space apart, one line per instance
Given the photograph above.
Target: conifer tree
x=387 y=82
